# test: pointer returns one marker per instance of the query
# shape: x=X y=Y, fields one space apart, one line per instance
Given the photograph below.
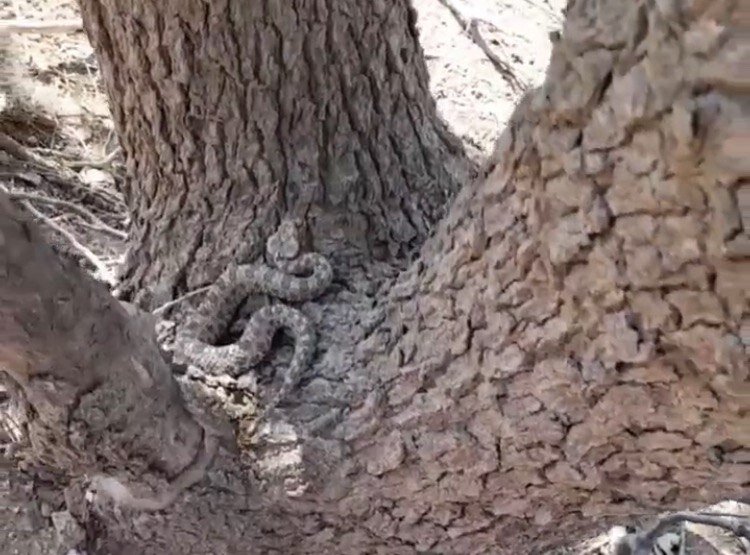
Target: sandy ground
x=472 y=96
x=52 y=103
x=56 y=74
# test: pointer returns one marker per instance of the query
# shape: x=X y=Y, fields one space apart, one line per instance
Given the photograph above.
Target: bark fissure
x=289 y=145
x=569 y=344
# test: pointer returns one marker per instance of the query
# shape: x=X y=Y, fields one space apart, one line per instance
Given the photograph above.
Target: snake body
x=194 y=343
x=282 y=280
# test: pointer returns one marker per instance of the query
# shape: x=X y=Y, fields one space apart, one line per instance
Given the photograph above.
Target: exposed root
x=102 y=271
x=122 y=496
x=166 y=306
x=97 y=223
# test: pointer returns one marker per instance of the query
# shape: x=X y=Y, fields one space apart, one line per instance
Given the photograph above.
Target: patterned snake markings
x=283 y=280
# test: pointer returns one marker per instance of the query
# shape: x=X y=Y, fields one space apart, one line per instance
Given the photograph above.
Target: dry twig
x=101 y=269
x=17 y=150
x=104 y=162
x=56 y=175
x=98 y=224
x=470 y=24
x=166 y=306
x=15 y=26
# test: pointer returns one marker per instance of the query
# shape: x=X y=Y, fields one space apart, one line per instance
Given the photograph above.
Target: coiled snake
x=283 y=280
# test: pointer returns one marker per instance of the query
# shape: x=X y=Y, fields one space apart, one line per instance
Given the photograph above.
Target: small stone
x=93 y=176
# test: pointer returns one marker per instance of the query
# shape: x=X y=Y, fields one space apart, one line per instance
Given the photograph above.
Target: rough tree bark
x=88 y=407
x=570 y=347
x=231 y=114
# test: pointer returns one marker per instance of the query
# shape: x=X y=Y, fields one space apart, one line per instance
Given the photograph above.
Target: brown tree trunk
x=571 y=346
x=231 y=114
x=576 y=346
x=99 y=393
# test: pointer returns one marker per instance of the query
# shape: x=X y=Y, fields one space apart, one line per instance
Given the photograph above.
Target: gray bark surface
x=232 y=114
x=96 y=390
x=570 y=349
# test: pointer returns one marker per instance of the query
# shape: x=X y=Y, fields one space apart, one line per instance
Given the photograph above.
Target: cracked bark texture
x=88 y=376
x=576 y=342
x=231 y=114
x=570 y=349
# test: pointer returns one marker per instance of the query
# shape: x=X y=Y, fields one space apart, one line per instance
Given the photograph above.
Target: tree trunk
x=576 y=344
x=570 y=348
x=91 y=375
x=231 y=114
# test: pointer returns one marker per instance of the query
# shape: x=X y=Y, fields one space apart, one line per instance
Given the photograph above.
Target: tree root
x=97 y=223
x=122 y=496
x=102 y=271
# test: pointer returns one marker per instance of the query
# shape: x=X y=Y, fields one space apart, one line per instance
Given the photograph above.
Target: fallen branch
x=98 y=224
x=58 y=175
x=471 y=25
x=102 y=271
x=16 y=26
x=17 y=150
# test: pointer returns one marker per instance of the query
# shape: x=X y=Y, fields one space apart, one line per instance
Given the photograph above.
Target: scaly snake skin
x=283 y=281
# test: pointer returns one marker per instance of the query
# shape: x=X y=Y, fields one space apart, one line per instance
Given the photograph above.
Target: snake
x=290 y=277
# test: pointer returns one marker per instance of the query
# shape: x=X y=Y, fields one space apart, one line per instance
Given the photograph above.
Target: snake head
x=285 y=242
